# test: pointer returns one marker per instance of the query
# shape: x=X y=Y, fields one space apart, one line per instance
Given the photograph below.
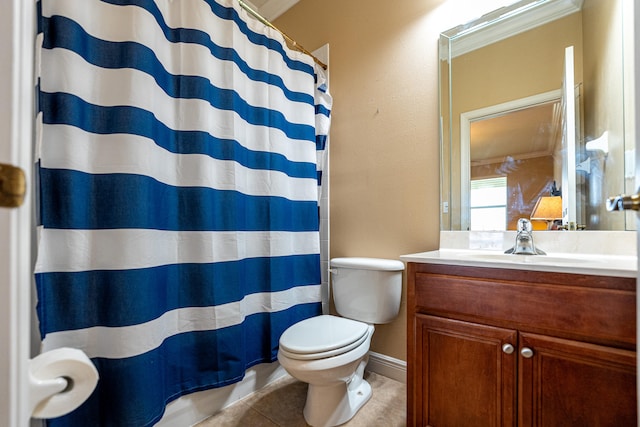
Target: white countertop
x=599 y=265
x=596 y=253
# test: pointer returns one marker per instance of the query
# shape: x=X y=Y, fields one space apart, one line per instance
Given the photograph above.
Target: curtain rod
x=291 y=41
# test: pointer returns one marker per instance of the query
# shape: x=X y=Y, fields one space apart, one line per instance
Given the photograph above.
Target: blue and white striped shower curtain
x=180 y=147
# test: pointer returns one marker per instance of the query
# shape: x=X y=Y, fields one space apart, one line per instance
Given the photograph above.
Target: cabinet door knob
x=507 y=348
x=526 y=352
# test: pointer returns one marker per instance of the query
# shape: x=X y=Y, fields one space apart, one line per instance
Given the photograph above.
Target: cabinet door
x=463 y=375
x=570 y=383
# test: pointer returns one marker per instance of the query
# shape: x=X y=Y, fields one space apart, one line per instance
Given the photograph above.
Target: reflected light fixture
x=547 y=208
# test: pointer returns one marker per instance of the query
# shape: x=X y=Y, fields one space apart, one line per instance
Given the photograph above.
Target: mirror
x=533 y=105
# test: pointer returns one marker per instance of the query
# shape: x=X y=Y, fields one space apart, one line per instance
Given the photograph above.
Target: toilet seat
x=322 y=336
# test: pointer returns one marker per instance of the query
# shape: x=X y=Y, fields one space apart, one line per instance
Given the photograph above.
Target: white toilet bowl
x=333 y=366
x=330 y=352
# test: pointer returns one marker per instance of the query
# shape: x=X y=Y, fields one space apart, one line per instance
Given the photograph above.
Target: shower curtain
x=180 y=145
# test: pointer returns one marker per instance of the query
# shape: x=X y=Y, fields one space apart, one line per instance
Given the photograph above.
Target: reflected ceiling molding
x=512 y=158
x=505 y=22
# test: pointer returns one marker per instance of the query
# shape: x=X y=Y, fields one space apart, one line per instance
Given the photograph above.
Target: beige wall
x=384 y=134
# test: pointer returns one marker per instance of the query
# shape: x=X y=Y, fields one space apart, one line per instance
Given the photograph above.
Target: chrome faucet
x=524 y=240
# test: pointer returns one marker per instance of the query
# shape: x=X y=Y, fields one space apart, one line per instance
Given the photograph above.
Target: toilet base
x=332 y=405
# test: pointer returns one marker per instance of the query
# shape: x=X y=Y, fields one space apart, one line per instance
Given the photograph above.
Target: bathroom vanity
x=505 y=343
x=499 y=339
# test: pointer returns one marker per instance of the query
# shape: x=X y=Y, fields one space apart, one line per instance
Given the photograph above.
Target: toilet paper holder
x=60 y=381
x=40 y=390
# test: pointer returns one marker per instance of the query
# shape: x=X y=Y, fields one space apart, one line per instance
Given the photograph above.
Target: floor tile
x=280 y=405
x=237 y=415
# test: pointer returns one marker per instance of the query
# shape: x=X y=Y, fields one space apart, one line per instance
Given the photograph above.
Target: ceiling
x=271 y=9
x=526 y=133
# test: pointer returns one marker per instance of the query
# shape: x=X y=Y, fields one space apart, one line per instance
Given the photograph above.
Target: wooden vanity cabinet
x=502 y=347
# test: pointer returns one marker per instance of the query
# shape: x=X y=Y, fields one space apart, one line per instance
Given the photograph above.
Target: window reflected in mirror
x=488 y=203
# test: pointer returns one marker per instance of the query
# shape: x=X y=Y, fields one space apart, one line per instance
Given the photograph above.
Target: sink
x=526 y=259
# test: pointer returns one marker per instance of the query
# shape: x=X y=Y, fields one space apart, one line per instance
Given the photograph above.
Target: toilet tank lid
x=368 y=263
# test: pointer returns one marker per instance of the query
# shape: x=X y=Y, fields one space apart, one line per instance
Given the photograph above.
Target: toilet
x=330 y=352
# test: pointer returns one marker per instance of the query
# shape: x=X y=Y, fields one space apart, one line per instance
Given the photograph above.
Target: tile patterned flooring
x=280 y=405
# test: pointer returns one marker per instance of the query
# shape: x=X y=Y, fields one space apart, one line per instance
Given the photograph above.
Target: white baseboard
x=390 y=367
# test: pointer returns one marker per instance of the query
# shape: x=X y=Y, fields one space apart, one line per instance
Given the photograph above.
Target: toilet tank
x=367 y=289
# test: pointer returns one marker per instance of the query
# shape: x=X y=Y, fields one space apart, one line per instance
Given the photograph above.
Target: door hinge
x=13 y=186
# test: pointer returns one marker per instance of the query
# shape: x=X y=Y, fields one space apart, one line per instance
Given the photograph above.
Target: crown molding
x=503 y=23
x=272 y=9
